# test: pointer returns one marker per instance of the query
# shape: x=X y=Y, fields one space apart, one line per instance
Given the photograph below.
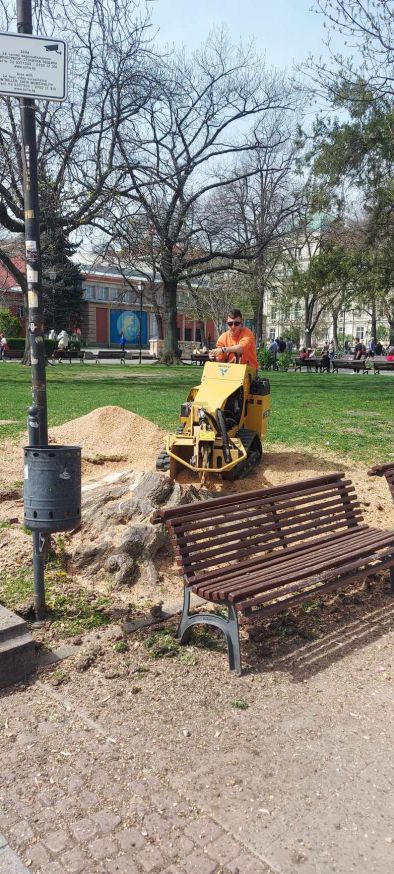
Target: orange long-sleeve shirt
x=246 y=340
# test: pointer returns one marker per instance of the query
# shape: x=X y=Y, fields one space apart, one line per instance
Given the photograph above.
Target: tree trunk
x=159 y=322
x=373 y=319
x=335 y=328
x=170 y=316
x=201 y=325
x=259 y=314
x=307 y=328
x=157 y=311
x=391 y=335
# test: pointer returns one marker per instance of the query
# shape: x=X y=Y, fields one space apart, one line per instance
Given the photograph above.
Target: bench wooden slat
x=249 y=614
x=273 y=569
x=253 y=519
x=268 y=563
x=280 y=561
x=312 y=583
x=309 y=564
x=265 y=536
x=302 y=487
x=217 y=515
x=274 y=546
x=262 y=519
x=227 y=572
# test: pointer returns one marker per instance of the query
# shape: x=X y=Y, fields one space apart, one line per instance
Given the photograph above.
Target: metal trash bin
x=52 y=488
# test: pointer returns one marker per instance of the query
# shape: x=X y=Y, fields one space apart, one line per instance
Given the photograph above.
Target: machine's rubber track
x=163 y=460
x=252 y=444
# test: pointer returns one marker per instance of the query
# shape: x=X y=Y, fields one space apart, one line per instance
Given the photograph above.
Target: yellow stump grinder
x=221 y=424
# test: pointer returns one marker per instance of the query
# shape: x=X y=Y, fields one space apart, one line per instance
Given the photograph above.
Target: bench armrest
x=381 y=469
x=386 y=470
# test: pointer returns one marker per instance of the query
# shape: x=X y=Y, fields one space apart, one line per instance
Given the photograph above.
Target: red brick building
x=113 y=304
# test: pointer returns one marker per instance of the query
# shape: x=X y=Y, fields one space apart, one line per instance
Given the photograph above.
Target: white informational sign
x=33 y=66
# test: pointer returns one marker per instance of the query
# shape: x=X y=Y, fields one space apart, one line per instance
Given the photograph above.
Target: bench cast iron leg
x=228 y=626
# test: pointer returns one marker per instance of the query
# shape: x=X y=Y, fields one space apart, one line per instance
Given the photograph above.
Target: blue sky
x=285 y=30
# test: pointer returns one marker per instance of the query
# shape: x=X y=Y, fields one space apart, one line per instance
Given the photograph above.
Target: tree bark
x=159 y=323
x=373 y=319
x=391 y=335
x=170 y=316
x=308 y=319
x=259 y=313
x=201 y=325
x=335 y=327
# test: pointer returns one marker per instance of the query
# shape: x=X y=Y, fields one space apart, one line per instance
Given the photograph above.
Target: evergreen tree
x=62 y=283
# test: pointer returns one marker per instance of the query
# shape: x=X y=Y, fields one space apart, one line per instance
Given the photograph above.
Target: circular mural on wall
x=129 y=323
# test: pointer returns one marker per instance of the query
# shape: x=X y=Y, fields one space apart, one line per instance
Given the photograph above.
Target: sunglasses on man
x=231 y=323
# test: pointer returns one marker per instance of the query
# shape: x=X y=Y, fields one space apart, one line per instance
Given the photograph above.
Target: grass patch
x=188 y=658
x=324 y=411
x=161 y=645
x=239 y=704
x=120 y=646
x=71 y=610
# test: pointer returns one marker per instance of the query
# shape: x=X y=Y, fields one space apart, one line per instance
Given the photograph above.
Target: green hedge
x=19 y=344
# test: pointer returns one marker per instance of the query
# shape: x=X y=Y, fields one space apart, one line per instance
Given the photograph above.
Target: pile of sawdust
x=112 y=434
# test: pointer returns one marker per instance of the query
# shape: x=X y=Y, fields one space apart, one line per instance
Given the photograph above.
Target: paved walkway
x=142 y=767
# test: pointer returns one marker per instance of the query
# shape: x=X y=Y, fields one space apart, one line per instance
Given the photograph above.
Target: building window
x=272 y=334
x=198 y=335
x=188 y=334
x=273 y=314
x=102 y=292
x=114 y=294
x=286 y=314
x=88 y=292
x=360 y=333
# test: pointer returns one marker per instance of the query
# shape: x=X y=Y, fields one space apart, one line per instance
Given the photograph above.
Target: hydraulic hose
x=223 y=433
x=212 y=420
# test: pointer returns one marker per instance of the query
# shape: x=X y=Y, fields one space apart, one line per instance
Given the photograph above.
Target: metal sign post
x=33 y=67
x=34 y=295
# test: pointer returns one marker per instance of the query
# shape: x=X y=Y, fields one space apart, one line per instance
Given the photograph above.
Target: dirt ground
x=147 y=757
x=114 y=439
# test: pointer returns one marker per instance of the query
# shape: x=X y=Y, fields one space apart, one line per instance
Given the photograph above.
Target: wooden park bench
x=67 y=355
x=13 y=355
x=386 y=470
x=111 y=354
x=381 y=363
x=349 y=364
x=198 y=359
x=257 y=553
x=315 y=364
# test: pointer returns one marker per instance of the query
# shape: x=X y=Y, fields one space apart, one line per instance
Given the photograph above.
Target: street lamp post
x=140 y=337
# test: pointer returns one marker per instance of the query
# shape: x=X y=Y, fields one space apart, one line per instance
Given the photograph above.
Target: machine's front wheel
x=163 y=460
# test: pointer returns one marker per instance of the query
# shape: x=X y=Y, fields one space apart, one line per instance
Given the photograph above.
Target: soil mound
x=112 y=434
